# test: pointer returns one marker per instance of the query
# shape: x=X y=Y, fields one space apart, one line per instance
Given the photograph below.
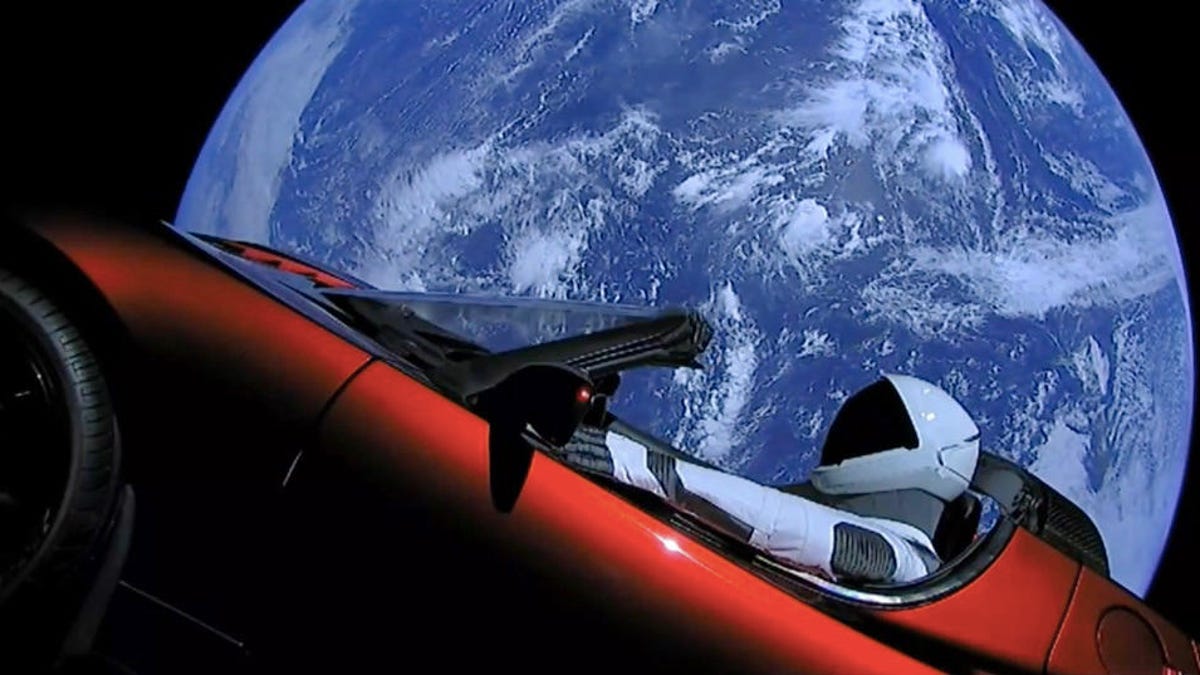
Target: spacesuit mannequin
x=896 y=453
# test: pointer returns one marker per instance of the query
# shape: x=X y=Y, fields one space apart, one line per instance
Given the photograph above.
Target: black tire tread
x=92 y=490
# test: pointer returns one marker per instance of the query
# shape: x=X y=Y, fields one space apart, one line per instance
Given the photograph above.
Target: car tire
x=59 y=448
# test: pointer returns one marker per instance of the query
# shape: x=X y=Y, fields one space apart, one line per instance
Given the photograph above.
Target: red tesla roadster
x=333 y=478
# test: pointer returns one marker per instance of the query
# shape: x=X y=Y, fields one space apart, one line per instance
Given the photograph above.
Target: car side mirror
x=547 y=400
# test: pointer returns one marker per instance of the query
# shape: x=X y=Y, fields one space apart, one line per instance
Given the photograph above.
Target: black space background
x=105 y=108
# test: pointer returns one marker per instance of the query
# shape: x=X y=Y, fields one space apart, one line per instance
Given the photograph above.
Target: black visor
x=870 y=421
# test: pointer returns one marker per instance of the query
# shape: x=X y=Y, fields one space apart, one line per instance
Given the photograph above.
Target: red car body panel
x=1011 y=612
x=1107 y=627
x=194 y=323
x=189 y=313
x=624 y=561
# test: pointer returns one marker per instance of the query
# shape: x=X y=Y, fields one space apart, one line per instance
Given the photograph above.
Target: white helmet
x=896 y=434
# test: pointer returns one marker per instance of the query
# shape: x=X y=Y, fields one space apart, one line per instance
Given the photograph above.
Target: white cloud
x=726 y=189
x=891 y=85
x=806 y=229
x=816 y=343
x=1035 y=29
x=1034 y=273
x=837 y=110
x=413 y=209
x=716 y=400
x=1087 y=179
x=1030 y=25
x=947 y=158
x=529 y=46
x=535 y=204
x=640 y=10
x=724 y=50
x=1091 y=366
x=542 y=260
x=760 y=11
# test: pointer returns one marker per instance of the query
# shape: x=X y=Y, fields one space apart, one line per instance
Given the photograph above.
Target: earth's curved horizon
x=846 y=188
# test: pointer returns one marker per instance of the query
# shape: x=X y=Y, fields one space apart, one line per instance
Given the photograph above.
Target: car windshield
x=503 y=323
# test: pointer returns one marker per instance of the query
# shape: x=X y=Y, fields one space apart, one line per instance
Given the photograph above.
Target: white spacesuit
x=896 y=453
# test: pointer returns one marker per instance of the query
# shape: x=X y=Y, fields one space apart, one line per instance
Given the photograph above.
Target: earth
x=943 y=189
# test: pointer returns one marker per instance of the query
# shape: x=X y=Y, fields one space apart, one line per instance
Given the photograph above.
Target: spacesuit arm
x=843 y=545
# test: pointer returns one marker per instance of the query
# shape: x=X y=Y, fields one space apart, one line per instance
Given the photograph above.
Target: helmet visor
x=870 y=421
